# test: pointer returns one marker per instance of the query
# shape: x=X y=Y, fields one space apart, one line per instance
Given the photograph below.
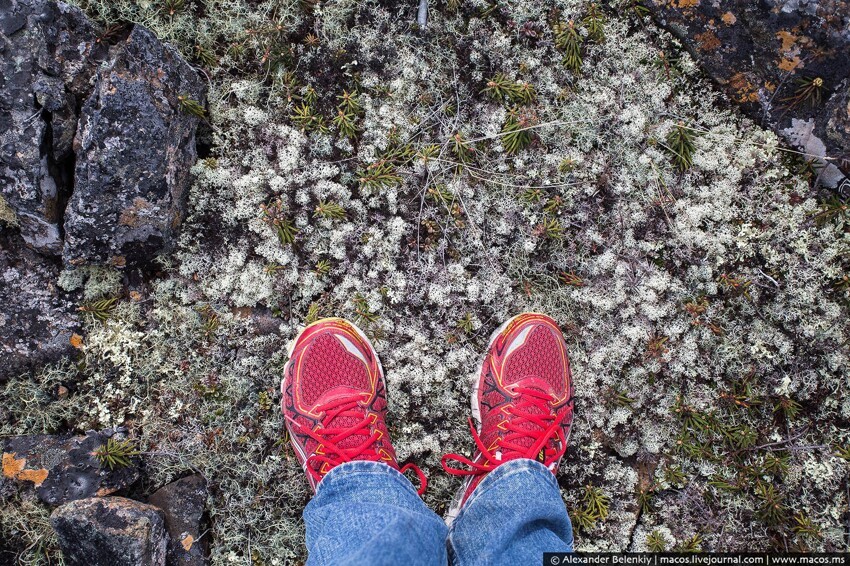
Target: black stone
x=108 y=531
x=64 y=468
x=183 y=503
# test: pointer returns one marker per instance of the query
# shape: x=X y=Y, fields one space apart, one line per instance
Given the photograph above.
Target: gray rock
x=770 y=57
x=183 y=503
x=110 y=531
x=93 y=128
x=48 y=52
x=134 y=149
x=64 y=468
x=37 y=319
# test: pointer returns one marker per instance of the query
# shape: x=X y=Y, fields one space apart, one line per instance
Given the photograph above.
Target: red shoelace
x=330 y=438
x=530 y=407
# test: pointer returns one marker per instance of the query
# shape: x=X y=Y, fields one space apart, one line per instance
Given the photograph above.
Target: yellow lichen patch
x=15 y=468
x=11 y=465
x=76 y=341
x=769 y=86
x=118 y=261
x=187 y=542
x=790 y=64
x=135 y=296
x=685 y=3
x=788 y=40
x=105 y=491
x=745 y=90
x=708 y=41
x=35 y=476
x=729 y=19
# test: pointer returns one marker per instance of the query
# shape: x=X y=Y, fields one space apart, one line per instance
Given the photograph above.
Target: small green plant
x=379 y=175
x=439 y=193
x=206 y=57
x=516 y=132
x=674 y=476
x=771 y=510
x=735 y=285
x=568 y=40
x=692 y=544
x=190 y=106
x=843 y=451
x=833 y=208
x=594 y=508
x=638 y=8
x=273 y=215
x=531 y=195
x=804 y=526
x=313 y=313
x=344 y=122
x=466 y=324
x=323 y=267
x=462 y=150
x=329 y=209
x=550 y=228
x=265 y=401
x=787 y=406
x=210 y=319
x=362 y=311
x=346 y=114
x=571 y=279
x=655 y=542
x=115 y=453
x=172 y=7
x=100 y=310
x=594 y=23
x=348 y=102
x=680 y=143
x=307 y=119
x=809 y=90
x=500 y=87
x=644 y=495
x=553 y=205
x=618 y=398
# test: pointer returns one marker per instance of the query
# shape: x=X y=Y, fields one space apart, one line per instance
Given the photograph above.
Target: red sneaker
x=522 y=402
x=334 y=400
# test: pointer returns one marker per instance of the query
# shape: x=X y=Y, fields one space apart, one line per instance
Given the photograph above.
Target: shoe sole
x=290 y=348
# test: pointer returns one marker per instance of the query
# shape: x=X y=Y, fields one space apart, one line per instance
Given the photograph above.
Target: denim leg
x=514 y=515
x=368 y=513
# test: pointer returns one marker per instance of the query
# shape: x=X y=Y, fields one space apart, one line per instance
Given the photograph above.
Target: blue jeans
x=368 y=513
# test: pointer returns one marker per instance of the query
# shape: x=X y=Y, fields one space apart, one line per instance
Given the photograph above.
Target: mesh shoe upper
x=334 y=400
x=522 y=400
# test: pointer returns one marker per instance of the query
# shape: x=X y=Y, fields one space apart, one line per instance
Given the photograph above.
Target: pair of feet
x=335 y=403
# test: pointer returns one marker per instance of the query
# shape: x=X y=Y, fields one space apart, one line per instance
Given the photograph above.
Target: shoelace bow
x=330 y=439
x=547 y=427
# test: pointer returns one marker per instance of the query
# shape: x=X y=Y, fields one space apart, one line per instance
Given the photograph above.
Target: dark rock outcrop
x=183 y=503
x=63 y=468
x=785 y=62
x=134 y=150
x=108 y=531
x=37 y=319
x=48 y=51
x=96 y=128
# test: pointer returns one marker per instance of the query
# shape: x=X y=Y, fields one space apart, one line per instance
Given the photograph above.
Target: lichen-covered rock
x=785 y=63
x=110 y=531
x=37 y=319
x=183 y=503
x=64 y=468
x=48 y=51
x=134 y=147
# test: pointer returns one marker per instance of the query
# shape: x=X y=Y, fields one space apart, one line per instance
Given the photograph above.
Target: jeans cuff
x=347 y=470
x=518 y=466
